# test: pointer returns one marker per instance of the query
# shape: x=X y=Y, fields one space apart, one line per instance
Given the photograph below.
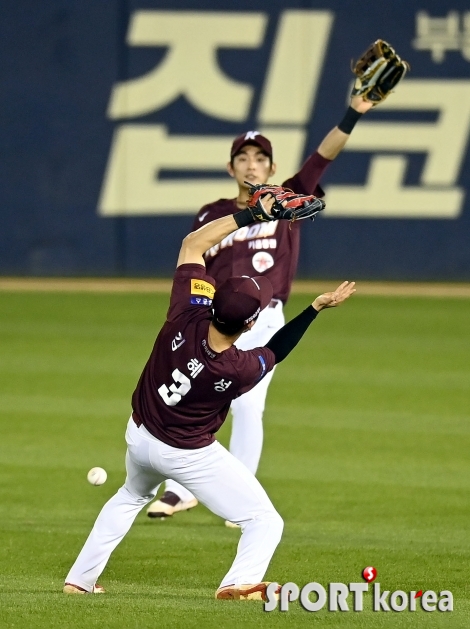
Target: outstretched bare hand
x=330 y=300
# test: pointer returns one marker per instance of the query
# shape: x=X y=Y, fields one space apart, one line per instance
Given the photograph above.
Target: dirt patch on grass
x=310 y=287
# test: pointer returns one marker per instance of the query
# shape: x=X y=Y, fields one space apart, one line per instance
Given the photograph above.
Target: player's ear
x=230 y=170
x=273 y=169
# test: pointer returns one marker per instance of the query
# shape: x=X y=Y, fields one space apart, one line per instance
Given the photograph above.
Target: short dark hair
x=225 y=329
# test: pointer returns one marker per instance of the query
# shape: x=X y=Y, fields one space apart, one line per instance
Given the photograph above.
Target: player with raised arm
x=272 y=249
x=182 y=398
x=269 y=249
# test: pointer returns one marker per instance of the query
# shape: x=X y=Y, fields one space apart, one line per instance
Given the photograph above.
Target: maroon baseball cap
x=239 y=300
x=251 y=137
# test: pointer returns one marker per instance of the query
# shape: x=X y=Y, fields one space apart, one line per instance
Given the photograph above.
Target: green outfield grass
x=366 y=457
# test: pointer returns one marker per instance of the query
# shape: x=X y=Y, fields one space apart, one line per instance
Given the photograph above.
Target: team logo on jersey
x=259 y=236
x=200 y=287
x=177 y=341
x=262 y=261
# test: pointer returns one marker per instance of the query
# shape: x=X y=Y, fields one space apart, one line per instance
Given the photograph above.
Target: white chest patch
x=262 y=261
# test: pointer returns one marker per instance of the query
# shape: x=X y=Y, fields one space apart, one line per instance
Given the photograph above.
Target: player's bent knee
x=279 y=527
x=276 y=523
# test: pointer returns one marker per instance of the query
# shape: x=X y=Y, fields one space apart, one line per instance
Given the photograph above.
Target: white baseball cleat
x=232 y=525
x=249 y=592
x=168 y=505
x=70 y=588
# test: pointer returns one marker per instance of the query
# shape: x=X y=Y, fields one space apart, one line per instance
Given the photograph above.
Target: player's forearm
x=211 y=234
x=285 y=339
x=336 y=139
x=333 y=143
x=197 y=243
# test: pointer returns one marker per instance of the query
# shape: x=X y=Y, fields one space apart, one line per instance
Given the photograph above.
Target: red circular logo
x=369 y=574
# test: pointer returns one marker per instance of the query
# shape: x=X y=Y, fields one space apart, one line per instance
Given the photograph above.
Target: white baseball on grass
x=97 y=476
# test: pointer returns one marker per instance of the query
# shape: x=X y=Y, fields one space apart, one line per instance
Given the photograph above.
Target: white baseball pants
x=214 y=476
x=246 y=440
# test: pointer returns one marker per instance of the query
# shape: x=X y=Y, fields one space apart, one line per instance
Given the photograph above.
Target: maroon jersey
x=270 y=249
x=184 y=393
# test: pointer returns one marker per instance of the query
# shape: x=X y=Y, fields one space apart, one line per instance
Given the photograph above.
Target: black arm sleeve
x=285 y=339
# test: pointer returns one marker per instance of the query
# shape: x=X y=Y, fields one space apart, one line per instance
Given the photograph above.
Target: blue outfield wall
x=116 y=119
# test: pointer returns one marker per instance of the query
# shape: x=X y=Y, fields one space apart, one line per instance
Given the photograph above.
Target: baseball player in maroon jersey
x=182 y=398
x=267 y=249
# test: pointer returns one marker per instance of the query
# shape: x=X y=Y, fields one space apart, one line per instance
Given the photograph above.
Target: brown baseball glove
x=378 y=71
